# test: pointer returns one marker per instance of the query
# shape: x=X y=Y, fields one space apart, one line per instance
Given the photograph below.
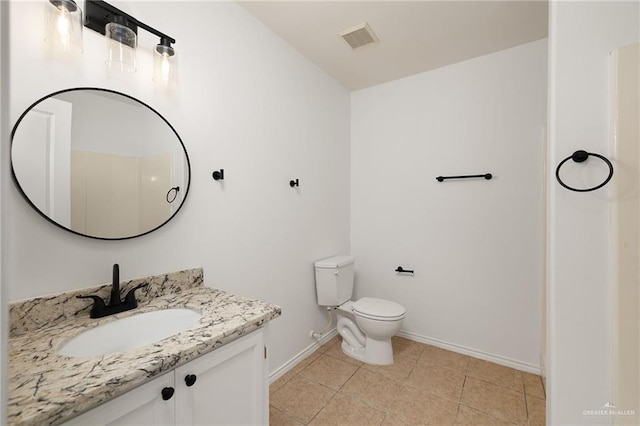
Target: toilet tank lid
x=335 y=261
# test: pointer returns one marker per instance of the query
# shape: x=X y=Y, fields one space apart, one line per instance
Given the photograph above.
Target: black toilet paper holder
x=401 y=270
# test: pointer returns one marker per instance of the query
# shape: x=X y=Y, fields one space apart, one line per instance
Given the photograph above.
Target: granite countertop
x=45 y=387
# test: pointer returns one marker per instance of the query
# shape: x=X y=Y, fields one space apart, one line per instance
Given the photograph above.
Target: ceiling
x=415 y=36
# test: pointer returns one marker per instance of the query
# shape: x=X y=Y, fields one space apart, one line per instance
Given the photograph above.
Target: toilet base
x=375 y=352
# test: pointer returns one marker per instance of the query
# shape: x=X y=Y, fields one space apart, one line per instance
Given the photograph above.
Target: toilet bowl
x=366 y=327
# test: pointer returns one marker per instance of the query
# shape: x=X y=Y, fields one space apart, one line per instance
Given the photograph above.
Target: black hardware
x=487 y=176
x=401 y=270
x=114 y=300
x=294 y=183
x=218 y=175
x=579 y=157
x=70 y=5
x=167 y=393
x=190 y=379
x=116 y=305
x=164 y=47
x=99 y=13
x=175 y=194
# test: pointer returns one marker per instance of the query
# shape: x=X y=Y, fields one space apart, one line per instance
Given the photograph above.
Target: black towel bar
x=486 y=176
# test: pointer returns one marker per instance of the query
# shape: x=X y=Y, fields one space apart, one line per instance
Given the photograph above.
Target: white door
x=45 y=135
x=626 y=229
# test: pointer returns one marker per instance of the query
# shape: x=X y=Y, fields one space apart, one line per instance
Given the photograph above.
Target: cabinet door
x=230 y=385
x=143 y=405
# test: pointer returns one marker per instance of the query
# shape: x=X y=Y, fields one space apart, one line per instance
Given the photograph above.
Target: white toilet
x=368 y=339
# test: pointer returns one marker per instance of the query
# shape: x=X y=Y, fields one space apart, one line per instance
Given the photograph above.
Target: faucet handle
x=98 y=305
x=130 y=298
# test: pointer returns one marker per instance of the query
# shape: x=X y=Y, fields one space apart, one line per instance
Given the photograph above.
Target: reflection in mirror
x=99 y=163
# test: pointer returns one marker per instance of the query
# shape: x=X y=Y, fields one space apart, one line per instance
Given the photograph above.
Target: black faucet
x=116 y=305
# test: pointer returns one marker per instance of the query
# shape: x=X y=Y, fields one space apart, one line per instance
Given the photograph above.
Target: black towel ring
x=175 y=194
x=580 y=156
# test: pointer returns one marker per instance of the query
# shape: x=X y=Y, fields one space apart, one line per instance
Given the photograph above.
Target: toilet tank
x=334 y=280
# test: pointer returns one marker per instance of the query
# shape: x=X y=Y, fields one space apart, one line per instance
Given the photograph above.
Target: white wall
x=475 y=245
x=248 y=103
x=581 y=35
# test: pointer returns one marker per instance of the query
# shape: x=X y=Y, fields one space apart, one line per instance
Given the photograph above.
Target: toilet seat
x=378 y=309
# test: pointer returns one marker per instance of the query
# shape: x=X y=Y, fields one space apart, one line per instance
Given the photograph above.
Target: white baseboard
x=280 y=371
x=508 y=362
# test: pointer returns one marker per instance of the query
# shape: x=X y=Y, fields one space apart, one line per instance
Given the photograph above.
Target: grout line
x=323 y=407
x=464 y=382
x=526 y=407
x=494 y=384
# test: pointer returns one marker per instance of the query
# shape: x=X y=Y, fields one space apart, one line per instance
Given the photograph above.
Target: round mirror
x=99 y=163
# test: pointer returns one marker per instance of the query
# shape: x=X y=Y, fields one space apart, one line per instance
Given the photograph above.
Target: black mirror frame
x=24 y=195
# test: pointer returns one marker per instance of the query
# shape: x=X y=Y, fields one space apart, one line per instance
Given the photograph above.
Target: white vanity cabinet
x=224 y=387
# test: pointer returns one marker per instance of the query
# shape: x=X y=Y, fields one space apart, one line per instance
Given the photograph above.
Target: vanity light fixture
x=164 y=63
x=121 y=45
x=63 y=25
x=121 y=31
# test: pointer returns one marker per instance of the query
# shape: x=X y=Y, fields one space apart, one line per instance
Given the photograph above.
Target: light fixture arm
x=98 y=13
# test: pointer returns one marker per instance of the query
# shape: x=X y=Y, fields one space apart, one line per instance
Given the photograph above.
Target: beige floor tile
x=329 y=344
x=329 y=372
x=391 y=420
x=439 y=381
x=301 y=398
x=336 y=352
x=348 y=411
x=433 y=355
x=537 y=411
x=415 y=406
x=278 y=418
x=305 y=362
x=496 y=374
x=373 y=388
x=494 y=400
x=399 y=370
x=405 y=348
x=471 y=416
x=533 y=385
x=273 y=387
x=279 y=383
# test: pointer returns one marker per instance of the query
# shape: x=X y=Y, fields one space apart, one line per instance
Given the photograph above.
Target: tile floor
x=425 y=385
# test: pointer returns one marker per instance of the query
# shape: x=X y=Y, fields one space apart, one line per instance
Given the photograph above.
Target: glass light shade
x=121 y=47
x=165 y=67
x=63 y=25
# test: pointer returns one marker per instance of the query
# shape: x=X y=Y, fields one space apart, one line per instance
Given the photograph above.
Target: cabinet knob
x=190 y=379
x=167 y=393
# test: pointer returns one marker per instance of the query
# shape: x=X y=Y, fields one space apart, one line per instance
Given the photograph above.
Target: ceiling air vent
x=358 y=36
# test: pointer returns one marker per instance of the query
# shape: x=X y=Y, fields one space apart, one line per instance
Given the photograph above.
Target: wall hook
x=294 y=183
x=218 y=175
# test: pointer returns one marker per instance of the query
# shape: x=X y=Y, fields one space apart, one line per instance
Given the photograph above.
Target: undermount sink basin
x=129 y=333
